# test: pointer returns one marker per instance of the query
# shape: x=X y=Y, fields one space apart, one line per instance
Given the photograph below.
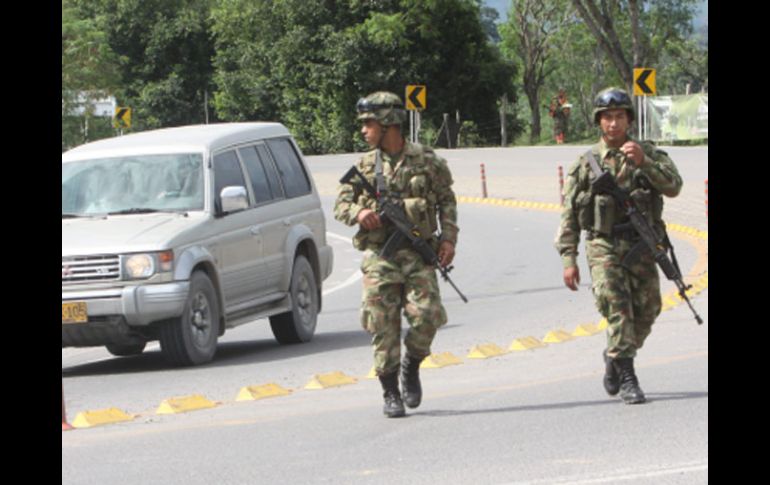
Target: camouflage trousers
x=402 y=282
x=628 y=297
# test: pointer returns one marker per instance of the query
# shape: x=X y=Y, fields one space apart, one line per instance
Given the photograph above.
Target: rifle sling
x=593 y=163
x=379 y=175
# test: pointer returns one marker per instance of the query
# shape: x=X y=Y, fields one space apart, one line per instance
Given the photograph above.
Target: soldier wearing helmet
x=418 y=178
x=560 y=111
x=627 y=294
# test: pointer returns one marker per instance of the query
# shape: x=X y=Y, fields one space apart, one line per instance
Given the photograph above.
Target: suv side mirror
x=234 y=198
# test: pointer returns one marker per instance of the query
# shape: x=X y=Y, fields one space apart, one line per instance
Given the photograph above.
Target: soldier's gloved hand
x=633 y=151
x=446 y=253
x=369 y=219
x=572 y=277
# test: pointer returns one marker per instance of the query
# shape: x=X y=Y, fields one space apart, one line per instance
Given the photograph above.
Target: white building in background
x=102 y=106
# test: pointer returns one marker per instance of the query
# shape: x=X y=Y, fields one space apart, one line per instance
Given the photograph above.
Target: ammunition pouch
x=585 y=210
x=422 y=215
x=605 y=214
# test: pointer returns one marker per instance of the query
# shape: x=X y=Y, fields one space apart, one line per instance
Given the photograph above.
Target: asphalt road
x=536 y=416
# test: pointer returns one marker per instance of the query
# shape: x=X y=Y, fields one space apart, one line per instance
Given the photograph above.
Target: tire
x=298 y=324
x=126 y=350
x=192 y=338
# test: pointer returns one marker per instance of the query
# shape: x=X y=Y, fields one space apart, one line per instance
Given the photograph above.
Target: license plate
x=75 y=312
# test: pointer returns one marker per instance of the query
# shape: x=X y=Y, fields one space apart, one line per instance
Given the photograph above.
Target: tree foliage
x=652 y=25
x=529 y=37
x=89 y=72
x=590 y=52
x=306 y=62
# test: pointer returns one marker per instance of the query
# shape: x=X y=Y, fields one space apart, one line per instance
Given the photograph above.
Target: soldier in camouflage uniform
x=627 y=293
x=560 y=111
x=420 y=179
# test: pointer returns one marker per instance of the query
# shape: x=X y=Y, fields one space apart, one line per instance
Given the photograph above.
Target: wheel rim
x=305 y=301
x=200 y=320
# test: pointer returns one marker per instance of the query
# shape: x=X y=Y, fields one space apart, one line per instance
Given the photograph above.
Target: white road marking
x=625 y=475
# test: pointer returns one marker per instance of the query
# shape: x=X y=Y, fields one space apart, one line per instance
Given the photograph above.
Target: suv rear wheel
x=298 y=324
x=192 y=338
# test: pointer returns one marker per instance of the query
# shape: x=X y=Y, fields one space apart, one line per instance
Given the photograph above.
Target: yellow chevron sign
x=644 y=81
x=415 y=97
x=122 y=118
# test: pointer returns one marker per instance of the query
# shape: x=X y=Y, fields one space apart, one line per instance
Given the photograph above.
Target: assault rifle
x=405 y=229
x=605 y=184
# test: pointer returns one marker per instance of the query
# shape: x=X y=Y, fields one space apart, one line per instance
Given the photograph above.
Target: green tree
x=528 y=36
x=89 y=72
x=306 y=63
x=649 y=25
x=166 y=49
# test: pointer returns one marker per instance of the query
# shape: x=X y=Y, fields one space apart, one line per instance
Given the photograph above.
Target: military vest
x=408 y=183
x=599 y=214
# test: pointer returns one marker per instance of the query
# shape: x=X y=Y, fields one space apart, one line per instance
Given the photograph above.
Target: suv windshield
x=132 y=185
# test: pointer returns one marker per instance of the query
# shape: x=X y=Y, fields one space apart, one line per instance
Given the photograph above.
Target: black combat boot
x=611 y=377
x=394 y=407
x=410 y=380
x=630 y=391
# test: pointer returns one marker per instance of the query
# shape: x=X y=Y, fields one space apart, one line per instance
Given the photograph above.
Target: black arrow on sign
x=641 y=81
x=121 y=113
x=413 y=97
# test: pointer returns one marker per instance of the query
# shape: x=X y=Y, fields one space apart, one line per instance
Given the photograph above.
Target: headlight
x=145 y=265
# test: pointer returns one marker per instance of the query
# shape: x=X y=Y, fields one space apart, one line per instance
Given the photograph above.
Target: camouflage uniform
x=628 y=297
x=422 y=180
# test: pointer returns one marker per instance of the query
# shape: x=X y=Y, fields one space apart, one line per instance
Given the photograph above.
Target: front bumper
x=112 y=313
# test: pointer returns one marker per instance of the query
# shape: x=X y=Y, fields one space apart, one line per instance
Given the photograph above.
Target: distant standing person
x=415 y=176
x=560 y=111
x=626 y=290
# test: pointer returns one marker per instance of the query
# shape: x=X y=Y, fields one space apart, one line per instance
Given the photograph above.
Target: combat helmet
x=613 y=98
x=387 y=108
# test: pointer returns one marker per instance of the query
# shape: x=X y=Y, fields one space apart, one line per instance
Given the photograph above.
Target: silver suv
x=179 y=234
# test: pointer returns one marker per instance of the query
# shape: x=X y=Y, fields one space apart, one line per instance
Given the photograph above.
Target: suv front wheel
x=298 y=324
x=192 y=338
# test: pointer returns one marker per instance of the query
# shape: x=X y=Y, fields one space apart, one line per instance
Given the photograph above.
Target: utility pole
x=503 y=132
x=446 y=127
x=206 y=104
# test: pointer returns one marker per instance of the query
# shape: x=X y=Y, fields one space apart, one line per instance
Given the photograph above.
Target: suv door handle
x=254 y=230
x=287 y=222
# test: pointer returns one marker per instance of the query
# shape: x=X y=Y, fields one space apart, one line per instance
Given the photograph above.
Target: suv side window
x=272 y=173
x=295 y=180
x=256 y=170
x=227 y=172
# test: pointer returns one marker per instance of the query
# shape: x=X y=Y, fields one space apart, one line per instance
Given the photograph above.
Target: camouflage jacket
x=419 y=178
x=597 y=213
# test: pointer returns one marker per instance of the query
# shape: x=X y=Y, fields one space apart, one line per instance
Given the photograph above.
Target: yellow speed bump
x=586 y=330
x=557 y=336
x=485 y=351
x=443 y=359
x=184 y=404
x=668 y=302
x=88 y=419
x=254 y=393
x=332 y=379
x=526 y=343
x=602 y=325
